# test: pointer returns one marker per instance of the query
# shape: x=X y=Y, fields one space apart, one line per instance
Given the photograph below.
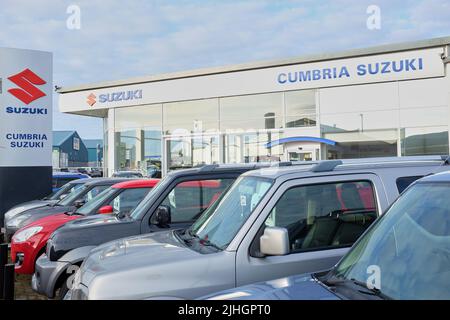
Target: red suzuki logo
x=91 y=99
x=26 y=80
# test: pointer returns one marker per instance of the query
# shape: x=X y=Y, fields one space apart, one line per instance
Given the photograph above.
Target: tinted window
x=324 y=215
x=189 y=199
x=404 y=182
x=128 y=199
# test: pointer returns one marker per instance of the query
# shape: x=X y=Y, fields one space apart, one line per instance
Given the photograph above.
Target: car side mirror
x=163 y=217
x=79 y=203
x=274 y=241
x=105 y=210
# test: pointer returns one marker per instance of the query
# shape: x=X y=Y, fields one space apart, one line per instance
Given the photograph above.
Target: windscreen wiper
x=334 y=282
x=370 y=291
x=208 y=243
x=203 y=242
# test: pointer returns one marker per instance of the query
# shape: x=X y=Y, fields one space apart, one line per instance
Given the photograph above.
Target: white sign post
x=25 y=125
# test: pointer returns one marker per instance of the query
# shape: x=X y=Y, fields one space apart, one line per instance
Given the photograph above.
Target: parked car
x=404 y=255
x=61 y=178
x=95 y=172
x=153 y=171
x=48 y=201
x=29 y=242
x=128 y=174
x=270 y=224
x=82 y=170
x=89 y=190
x=185 y=193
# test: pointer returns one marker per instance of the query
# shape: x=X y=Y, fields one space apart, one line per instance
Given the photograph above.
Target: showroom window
x=188 y=117
x=361 y=135
x=300 y=108
x=138 y=117
x=252 y=147
x=189 y=151
x=424 y=141
x=138 y=138
x=323 y=216
x=252 y=112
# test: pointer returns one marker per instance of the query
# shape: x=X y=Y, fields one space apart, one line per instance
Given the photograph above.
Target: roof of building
x=389 y=48
x=92 y=143
x=59 y=137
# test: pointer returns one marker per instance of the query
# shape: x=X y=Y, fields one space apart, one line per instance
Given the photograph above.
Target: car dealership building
x=389 y=100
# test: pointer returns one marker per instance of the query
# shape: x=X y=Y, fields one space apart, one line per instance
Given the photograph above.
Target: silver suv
x=271 y=223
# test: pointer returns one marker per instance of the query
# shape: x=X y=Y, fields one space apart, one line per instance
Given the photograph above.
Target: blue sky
x=121 y=39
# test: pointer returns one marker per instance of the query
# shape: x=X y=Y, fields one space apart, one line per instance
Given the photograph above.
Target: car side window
x=189 y=199
x=128 y=199
x=324 y=216
x=404 y=182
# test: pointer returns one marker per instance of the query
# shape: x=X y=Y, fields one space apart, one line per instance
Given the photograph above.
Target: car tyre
x=62 y=291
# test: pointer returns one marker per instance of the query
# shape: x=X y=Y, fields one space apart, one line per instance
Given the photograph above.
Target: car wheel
x=62 y=291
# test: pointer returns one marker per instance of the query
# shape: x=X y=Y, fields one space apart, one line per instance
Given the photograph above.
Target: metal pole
x=8 y=282
x=3 y=262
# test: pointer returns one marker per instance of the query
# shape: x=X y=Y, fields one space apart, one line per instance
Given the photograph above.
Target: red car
x=29 y=242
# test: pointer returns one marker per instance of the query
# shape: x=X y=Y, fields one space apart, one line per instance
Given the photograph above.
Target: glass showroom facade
x=219 y=130
x=185 y=123
x=240 y=129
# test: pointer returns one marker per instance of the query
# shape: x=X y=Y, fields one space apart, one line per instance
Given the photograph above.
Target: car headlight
x=15 y=222
x=26 y=234
x=11 y=213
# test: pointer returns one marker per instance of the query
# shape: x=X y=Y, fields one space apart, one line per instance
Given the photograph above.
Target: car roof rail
x=282 y=164
x=207 y=167
x=326 y=165
x=396 y=159
x=446 y=160
x=330 y=165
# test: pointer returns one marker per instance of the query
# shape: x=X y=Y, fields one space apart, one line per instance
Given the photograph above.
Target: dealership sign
x=25 y=108
x=346 y=71
x=91 y=99
x=364 y=69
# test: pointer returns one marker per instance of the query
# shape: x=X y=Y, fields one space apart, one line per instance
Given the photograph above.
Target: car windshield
x=219 y=225
x=97 y=201
x=64 y=191
x=406 y=254
x=66 y=201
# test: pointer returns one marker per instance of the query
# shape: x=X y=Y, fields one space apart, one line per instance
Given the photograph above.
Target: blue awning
x=300 y=139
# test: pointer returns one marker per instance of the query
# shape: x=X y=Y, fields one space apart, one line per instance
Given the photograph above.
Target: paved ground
x=23 y=289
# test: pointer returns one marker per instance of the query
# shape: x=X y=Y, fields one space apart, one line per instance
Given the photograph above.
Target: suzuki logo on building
x=26 y=81
x=91 y=99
